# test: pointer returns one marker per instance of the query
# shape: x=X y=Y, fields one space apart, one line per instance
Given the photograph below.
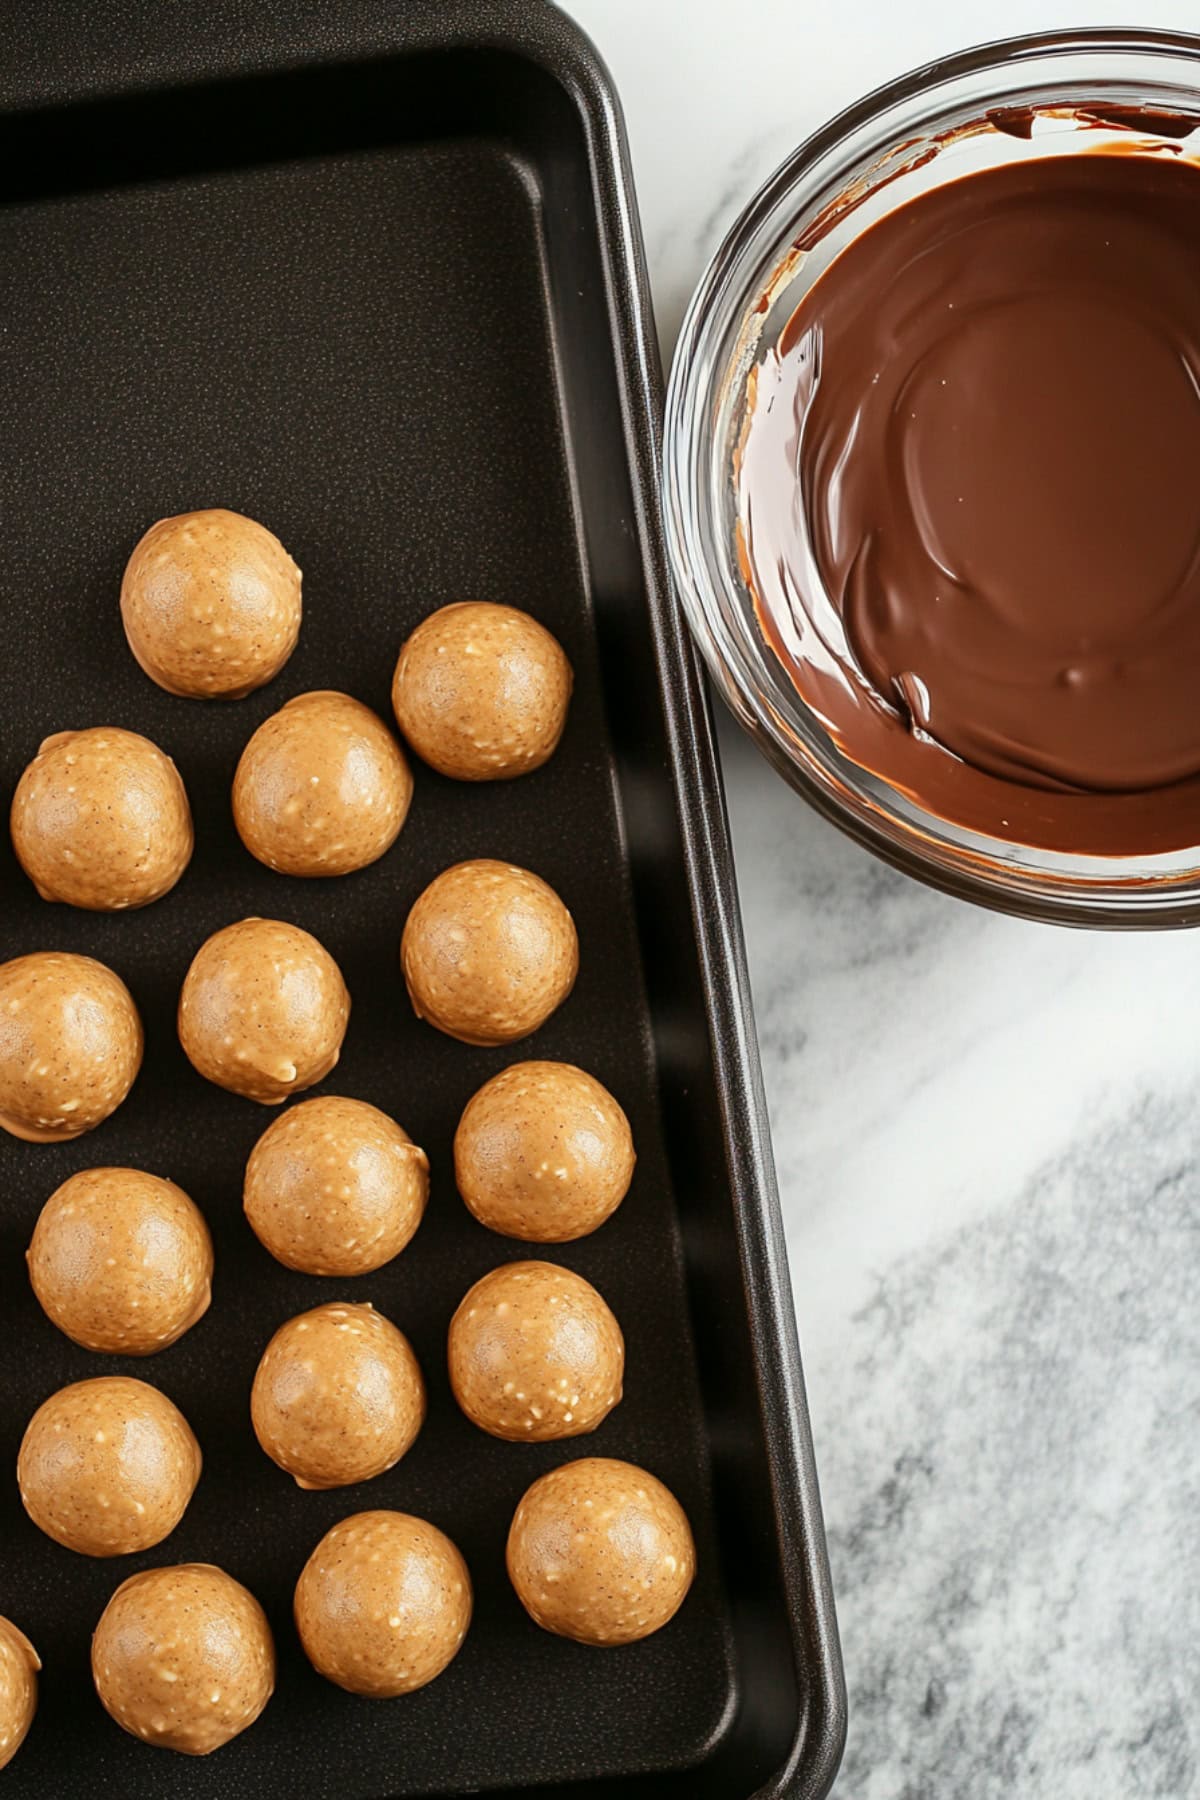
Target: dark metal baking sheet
x=373 y=274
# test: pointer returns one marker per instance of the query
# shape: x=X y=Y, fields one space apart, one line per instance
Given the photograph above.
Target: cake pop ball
x=107 y=1466
x=121 y=1261
x=210 y=602
x=19 y=1665
x=383 y=1604
x=338 y=1396
x=535 y=1354
x=488 y=952
x=100 y=820
x=481 y=691
x=183 y=1658
x=322 y=787
x=263 y=1010
x=543 y=1152
x=335 y=1187
x=600 y=1551
x=70 y=1045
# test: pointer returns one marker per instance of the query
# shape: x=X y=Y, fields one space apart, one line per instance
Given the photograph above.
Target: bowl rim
x=1056 y=893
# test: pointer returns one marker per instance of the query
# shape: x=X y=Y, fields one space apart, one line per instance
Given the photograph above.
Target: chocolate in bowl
x=933 y=440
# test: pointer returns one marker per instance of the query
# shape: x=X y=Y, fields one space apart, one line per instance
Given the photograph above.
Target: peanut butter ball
x=600 y=1551
x=338 y=1396
x=183 y=1658
x=383 y=1604
x=210 y=602
x=70 y=1045
x=543 y=1152
x=19 y=1665
x=108 y=1466
x=481 y=691
x=100 y=819
x=488 y=952
x=121 y=1261
x=263 y=1010
x=535 y=1354
x=335 y=1187
x=322 y=787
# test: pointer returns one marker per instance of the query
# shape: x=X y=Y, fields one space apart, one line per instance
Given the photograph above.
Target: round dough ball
x=183 y=1658
x=481 y=691
x=210 y=602
x=535 y=1353
x=338 y=1396
x=600 y=1551
x=108 y=1466
x=70 y=1045
x=322 y=787
x=335 y=1187
x=121 y=1261
x=543 y=1152
x=263 y=1010
x=488 y=952
x=383 y=1604
x=19 y=1665
x=100 y=819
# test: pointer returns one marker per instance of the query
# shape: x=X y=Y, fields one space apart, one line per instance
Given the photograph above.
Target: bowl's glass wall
x=866 y=162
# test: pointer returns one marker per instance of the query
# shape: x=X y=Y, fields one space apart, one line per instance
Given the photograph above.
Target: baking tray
x=373 y=274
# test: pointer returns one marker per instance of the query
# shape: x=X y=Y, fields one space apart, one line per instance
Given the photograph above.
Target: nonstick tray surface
x=372 y=274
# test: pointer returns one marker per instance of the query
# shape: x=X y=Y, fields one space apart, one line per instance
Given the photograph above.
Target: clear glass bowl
x=865 y=162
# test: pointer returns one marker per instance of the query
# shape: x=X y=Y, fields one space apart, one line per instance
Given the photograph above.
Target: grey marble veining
x=987 y=1133
x=1013 y=1514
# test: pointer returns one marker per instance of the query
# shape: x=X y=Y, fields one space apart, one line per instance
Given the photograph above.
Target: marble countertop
x=986 y=1134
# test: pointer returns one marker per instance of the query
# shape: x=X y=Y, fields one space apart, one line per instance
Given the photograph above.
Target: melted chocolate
x=969 y=499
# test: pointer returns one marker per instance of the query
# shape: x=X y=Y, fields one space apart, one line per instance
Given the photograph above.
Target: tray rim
x=541 y=33
x=704 y=829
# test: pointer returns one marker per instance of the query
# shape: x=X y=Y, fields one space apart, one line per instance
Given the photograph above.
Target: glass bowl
x=929 y=126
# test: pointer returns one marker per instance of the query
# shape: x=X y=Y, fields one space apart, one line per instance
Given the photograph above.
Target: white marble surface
x=986 y=1134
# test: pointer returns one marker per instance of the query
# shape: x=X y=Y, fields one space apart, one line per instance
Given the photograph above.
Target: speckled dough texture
x=210 y=602
x=600 y=1551
x=338 y=1396
x=263 y=1010
x=543 y=1152
x=488 y=952
x=183 y=1658
x=335 y=1187
x=100 y=820
x=481 y=691
x=383 y=1604
x=121 y=1261
x=322 y=788
x=108 y=1466
x=535 y=1353
x=70 y=1045
x=19 y=1665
